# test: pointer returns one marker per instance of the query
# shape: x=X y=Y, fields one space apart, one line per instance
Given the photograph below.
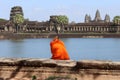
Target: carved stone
x=87 y=19
x=97 y=16
x=107 y=18
x=42 y=69
x=16 y=10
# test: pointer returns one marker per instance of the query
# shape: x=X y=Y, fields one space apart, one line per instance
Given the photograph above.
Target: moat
x=78 y=48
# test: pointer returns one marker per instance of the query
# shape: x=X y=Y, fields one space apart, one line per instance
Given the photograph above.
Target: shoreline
x=61 y=35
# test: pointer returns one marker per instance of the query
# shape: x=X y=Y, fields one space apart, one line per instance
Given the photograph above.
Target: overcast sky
x=40 y=10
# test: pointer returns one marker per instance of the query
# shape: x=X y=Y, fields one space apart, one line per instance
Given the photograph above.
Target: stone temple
x=15 y=10
x=96 y=25
x=97 y=18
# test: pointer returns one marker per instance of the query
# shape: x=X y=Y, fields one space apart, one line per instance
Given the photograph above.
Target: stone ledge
x=84 y=64
x=36 y=62
x=94 y=64
x=25 y=68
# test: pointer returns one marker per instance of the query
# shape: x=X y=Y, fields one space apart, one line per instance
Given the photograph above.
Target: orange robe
x=58 y=50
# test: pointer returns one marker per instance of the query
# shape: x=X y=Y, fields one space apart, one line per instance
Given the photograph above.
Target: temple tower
x=87 y=18
x=16 y=10
x=90 y=18
x=97 y=16
x=107 y=18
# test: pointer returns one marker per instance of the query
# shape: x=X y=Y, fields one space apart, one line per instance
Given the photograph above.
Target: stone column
x=5 y=28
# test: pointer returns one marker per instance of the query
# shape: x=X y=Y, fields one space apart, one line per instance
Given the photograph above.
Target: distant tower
x=97 y=16
x=87 y=18
x=107 y=18
x=15 y=10
x=90 y=18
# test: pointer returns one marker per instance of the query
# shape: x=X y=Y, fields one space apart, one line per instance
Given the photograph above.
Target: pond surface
x=78 y=48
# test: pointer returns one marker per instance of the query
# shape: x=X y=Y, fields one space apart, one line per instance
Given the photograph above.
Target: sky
x=75 y=10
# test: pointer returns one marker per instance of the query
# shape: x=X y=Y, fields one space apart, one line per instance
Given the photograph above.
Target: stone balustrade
x=44 y=69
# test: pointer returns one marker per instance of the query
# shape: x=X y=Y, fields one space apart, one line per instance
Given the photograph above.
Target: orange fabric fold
x=58 y=50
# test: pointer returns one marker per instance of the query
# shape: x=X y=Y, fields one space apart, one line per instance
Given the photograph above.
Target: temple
x=96 y=25
x=97 y=18
x=15 y=10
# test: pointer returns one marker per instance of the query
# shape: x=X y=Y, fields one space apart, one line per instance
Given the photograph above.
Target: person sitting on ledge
x=58 y=50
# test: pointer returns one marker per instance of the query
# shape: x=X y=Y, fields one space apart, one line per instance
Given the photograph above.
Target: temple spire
x=87 y=18
x=97 y=16
x=16 y=10
x=107 y=18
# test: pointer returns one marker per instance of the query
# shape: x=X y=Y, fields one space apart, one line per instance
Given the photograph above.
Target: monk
x=58 y=50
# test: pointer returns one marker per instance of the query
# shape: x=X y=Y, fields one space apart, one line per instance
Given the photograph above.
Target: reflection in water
x=78 y=48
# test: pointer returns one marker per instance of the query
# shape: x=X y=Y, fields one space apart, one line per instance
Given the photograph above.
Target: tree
x=62 y=19
x=17 y=20
x=116 y=20
x=1 y=19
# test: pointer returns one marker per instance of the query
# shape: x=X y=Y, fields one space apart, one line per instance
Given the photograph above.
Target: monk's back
x=58 y=50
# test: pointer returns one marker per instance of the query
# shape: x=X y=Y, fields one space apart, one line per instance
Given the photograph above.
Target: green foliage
x=34 y=77
x=2 y=19
x=62 y=19
x=18 y=19
x=116 y=19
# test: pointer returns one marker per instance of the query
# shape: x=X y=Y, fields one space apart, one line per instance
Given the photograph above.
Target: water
x=78 y=48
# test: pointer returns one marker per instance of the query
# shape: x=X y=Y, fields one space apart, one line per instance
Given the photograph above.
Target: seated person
x=58 y=50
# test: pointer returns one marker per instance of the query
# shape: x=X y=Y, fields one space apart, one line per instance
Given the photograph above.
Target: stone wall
x=13 y=36
x=46 y=27
x=47 y=69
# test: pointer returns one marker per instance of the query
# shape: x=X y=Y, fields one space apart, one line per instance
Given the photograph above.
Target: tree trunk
x=16 y=27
